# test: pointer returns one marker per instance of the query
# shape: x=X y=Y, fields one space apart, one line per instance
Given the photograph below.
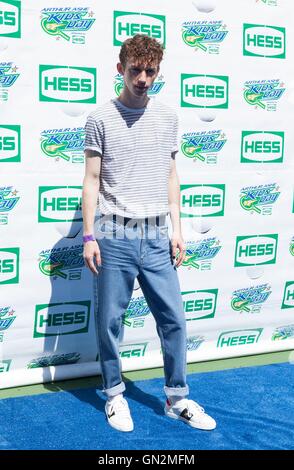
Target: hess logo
x=264 y=41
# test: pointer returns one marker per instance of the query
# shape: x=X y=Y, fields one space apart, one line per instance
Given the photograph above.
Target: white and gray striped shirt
x=136 y=146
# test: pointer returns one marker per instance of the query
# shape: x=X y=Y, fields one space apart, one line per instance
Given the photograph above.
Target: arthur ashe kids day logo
x=262 y=147
x=250 y=299
x=259 y=199
x=8 y=200
x=199 y=254
x=54 y=360
x=136 y=312
x=10 y=22
x=203 y=146
x=8 y=77
x=263 y=94
x=62 y=263
x=204 y=35
x=272 y=3
x=64 y=144
x=264 y=41
x=291 y=247
x=7 y=317
x=67 y=23
x=283 y=332
x=127 y=24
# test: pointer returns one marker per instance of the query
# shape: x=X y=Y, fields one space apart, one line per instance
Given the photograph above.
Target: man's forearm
x=89 y=203
x=174 y=203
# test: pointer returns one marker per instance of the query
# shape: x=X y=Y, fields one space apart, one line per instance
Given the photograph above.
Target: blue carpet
x=253 y=407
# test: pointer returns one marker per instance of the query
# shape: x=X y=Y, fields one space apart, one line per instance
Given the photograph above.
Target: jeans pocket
x=107 y=226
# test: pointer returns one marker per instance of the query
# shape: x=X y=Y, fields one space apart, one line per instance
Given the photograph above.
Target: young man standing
x=130 y=148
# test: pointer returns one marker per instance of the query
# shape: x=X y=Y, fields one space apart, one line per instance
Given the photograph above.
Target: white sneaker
x=191 y=413
x=118 y=414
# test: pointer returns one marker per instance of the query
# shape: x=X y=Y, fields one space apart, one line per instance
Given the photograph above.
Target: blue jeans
x=141 y=251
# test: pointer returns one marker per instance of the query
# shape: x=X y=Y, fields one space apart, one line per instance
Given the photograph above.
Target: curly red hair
x=141 y=48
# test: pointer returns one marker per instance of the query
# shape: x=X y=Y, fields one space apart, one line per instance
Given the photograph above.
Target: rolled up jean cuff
x=176 y=391
x=111 y=392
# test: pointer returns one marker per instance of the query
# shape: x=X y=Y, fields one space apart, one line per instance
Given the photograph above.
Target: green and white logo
x=262 y=147
x=203 y=146
x=8 y=77
x=250 y=299
x=54 y=360
x=62 y=264
x=283 y=332
x=291 y=247
x=199 y=254
x=60 y=204
x=9 y=143
x=132 y=350
x=136 y=312
x=194 y=342
x=65 y=144
x=204 y=91
x=9 y=265
x=5 y=365
x=7 y=317
x=272 y=3
x=66 y=318
x=10 y=22
x=264 y=41
x=288 y=296
x=67 y=23
x=202 y=200
x=239 y=337
x=259 y=199
x=8 y=200
x=254 y=250
x=67 y=84
x=127 y=24
x=199 y=304
x=263 y=94
x=204 y=35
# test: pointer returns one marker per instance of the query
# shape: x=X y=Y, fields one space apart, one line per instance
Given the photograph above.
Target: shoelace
x=120 y=405
x=192 y=405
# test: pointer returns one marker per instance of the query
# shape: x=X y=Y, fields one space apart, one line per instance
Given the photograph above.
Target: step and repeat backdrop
x=228 y=73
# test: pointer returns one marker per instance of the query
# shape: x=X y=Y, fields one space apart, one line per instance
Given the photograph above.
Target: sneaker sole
x=119 y=428
x=174 y=416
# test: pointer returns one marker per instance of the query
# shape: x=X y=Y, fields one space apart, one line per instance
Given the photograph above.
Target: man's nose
x=142 y=76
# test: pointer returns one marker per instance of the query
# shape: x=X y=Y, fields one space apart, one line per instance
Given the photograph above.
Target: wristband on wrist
x=87 y=238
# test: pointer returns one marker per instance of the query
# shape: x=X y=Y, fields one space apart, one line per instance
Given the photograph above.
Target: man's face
x=139 y=76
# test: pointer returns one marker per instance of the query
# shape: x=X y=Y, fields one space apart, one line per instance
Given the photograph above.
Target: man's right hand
x=91 y=252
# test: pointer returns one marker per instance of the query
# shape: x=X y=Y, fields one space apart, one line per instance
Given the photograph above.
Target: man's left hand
x=178 y=245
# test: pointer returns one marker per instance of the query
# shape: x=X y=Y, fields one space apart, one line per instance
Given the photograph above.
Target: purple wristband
x=87 y=238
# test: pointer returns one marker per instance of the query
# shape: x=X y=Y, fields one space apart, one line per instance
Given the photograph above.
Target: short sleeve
x=93 y=135
x=175 y=130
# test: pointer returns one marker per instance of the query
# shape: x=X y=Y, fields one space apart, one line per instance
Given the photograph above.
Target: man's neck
x=132 y=101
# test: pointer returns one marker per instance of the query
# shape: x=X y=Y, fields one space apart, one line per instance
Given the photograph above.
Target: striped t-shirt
x=135 y=146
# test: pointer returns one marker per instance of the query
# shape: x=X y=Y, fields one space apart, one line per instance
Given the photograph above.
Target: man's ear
x=120 y=68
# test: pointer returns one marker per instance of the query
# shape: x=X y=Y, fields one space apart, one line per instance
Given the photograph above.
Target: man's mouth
x=143 y=88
